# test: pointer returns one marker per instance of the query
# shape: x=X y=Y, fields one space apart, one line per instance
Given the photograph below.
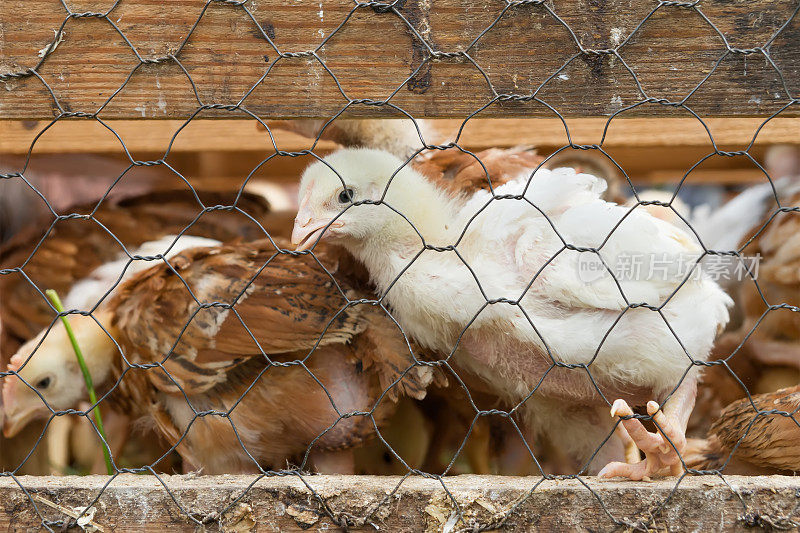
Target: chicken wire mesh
x=337 y=291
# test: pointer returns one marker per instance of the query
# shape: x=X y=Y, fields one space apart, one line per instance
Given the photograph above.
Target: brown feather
x=769 y=440
x=286 y=308
x=73 y=248
x=461 y=173
x=285 y=405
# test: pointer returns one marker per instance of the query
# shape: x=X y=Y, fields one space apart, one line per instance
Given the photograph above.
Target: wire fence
x=253 y=357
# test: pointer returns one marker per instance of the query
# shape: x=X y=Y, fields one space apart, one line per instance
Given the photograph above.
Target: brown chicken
x=72 y=249
x=762 y=437
x=294 y=312
x=287 y=383
x=764 y=351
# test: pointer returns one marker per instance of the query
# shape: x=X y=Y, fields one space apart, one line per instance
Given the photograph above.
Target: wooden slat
x=71 y=136
x=77 y=136
x=734 y=176
x=229 y=503
x=375 y=54
x=731 y=133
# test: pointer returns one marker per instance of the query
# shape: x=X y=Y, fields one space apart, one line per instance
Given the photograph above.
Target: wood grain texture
x=141 y=503
x=82 y=135
x=220 y=154
x=559 y=51
x=230 y=135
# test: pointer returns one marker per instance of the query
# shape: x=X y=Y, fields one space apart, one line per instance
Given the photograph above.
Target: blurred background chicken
x=757 y=435
x=64 y=180
x=762 y=348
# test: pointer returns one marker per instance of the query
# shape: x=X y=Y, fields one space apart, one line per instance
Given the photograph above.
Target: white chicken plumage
x=727 y=226
x=511 y=298
x=88 y=291
x=574 y=212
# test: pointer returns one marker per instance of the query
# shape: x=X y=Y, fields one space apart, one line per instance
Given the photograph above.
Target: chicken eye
x=43 y=383
x=346 y=195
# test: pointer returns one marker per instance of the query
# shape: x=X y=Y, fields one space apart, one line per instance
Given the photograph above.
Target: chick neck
x=430 y=213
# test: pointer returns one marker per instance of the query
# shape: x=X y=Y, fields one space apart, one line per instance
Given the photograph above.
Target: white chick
x=516 y=295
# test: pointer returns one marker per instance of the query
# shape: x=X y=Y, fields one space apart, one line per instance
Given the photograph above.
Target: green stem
x=87 y=377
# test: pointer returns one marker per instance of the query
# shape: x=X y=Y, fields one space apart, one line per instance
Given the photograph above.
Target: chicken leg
x=664 y=449
x=58 y=444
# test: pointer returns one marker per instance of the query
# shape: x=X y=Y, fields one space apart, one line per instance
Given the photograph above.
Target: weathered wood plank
x=224 y=152
x=83 y=135
x=733 y=176
x=141 y=503
x=86 y=135
x=373 y=54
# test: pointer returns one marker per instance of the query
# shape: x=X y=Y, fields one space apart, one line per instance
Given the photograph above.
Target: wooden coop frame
x=147 y=98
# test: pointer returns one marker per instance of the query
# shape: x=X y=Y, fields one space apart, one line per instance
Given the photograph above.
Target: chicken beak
x=307 y=229
x=304 y=236
x=14 y=416
x=303 y=228
x=15 y=421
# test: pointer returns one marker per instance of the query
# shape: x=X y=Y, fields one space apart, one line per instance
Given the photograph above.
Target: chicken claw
x=662 y=450
x=632 y=454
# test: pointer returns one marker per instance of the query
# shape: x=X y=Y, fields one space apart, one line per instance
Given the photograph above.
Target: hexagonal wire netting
x=168 y=367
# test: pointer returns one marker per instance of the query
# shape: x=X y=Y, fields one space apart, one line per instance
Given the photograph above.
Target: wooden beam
x=733 y=176
x=82 y=135
x=146 y=58
x=371 y=503
x=661 y=132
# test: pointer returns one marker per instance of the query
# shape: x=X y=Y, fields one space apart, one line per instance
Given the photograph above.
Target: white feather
x=503 y=244
x=88 y=291
x=509 y=297
x=725 y=227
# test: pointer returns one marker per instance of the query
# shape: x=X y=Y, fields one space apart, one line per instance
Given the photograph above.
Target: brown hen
x=764 y=434
x=232 y=397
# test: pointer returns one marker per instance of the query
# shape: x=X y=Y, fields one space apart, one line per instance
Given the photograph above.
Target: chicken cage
x=399 y=265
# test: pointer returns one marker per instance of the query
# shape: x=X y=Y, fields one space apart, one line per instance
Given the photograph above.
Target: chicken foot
x=663 y=450
x=632 y=454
